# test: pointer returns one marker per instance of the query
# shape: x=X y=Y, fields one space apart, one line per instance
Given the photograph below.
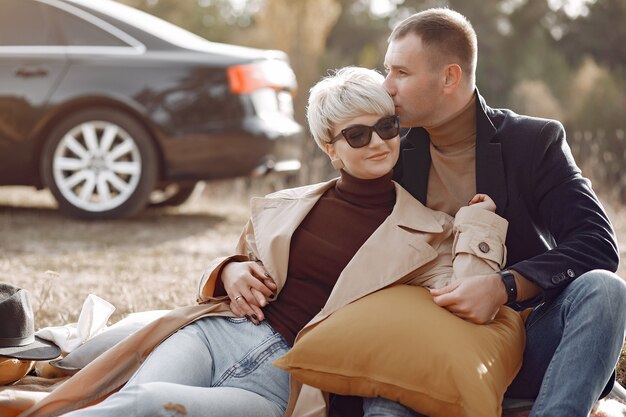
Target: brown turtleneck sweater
x=326 y=240
x=452 y=177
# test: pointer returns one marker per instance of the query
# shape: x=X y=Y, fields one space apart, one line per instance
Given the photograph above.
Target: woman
x=308 y=251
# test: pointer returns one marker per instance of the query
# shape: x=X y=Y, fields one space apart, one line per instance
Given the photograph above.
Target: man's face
x=414 y=83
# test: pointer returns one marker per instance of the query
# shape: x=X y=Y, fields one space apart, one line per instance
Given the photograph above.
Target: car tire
x=171 y=194
x=99 y=164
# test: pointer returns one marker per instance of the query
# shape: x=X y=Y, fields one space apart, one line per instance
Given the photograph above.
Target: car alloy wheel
x=100 y=164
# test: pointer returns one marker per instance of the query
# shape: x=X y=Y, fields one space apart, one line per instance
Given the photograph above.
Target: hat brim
x=39 y=350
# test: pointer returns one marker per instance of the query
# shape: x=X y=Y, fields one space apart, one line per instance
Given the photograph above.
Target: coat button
x=484 y=247
x=558 y=278
x=570 y=273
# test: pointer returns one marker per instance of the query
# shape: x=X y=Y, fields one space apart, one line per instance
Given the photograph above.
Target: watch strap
x=508 y=279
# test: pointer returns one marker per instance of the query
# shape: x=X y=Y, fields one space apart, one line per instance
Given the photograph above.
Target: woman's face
x=370 y=161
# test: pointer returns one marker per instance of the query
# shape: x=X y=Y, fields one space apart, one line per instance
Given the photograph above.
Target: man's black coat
x=558 y=229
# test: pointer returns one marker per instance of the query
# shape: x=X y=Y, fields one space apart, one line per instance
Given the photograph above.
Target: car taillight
x=274 y=74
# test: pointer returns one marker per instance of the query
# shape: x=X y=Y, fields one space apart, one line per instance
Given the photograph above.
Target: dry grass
x=150 y=262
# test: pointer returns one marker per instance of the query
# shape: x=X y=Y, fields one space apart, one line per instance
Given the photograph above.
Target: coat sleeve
x=479 y=242
x=562 y=202
x=210 y=287
x=473 y=243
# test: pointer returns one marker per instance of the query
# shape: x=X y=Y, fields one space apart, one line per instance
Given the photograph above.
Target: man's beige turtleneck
x=452 y=177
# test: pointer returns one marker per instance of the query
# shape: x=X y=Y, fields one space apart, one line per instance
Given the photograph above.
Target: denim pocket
x=246 y=353
x=258 y=357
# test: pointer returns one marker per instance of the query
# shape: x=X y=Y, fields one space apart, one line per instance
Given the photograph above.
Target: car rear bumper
x=255 y=147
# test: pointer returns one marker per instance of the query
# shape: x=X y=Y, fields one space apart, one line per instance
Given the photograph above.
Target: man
x=562 y=250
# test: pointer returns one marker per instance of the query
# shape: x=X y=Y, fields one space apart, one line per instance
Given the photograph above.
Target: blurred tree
x=601 y=34
x=299 y=28
x=534 y=98
x=596 y=100
x=527 y=50
x=596 y=106
x=215 y=20
x=358 y=38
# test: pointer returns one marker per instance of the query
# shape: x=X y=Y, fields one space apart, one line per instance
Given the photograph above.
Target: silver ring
x=239 y=297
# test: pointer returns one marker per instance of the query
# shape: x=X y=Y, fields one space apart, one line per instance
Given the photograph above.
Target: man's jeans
x=216 y=366
x=572 y=346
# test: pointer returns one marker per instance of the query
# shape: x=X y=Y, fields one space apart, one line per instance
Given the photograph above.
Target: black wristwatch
x=508 y=279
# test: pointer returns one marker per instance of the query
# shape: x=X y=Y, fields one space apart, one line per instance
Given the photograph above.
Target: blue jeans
x=572 y=345
x=216 y=366
x=382 y=407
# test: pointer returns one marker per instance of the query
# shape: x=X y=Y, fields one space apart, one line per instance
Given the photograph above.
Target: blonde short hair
x=343 y=95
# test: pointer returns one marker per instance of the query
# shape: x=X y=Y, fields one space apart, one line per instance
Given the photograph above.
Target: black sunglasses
x=358 y=136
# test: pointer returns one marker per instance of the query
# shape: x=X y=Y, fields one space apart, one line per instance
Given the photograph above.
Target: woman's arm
x=239 y=278
x=479 y=237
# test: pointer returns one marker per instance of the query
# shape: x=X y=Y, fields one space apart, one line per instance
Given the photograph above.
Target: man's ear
x=453 y=75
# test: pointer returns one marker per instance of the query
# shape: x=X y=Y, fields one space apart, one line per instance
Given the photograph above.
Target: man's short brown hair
x=446 y=30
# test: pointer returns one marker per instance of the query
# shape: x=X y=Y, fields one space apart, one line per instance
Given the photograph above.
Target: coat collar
x=490 y=176
x=400 y=236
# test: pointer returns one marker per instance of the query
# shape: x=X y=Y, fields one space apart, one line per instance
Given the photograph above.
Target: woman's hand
x=483 y=201
x=248 y=285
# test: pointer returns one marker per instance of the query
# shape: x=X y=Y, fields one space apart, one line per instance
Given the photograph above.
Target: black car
x=104 y=104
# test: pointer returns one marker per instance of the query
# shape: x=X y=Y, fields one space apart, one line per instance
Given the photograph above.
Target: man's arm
x=564 y=205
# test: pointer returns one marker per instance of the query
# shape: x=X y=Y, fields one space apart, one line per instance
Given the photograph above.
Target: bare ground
x=153 y=261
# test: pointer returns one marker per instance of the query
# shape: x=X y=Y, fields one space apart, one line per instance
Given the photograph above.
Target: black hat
x=17 y=328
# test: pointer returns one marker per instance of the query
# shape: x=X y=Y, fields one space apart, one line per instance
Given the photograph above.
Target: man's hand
x=476 y=299
x=248 y=286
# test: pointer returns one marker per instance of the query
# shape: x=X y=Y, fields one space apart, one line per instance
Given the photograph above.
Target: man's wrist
x=510 y=286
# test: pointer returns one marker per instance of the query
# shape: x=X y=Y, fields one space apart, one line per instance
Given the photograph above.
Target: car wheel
x=99 y=164
x=171 y=194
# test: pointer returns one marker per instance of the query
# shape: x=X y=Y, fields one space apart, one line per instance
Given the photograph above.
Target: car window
x=78 y=32
x=24 y=22
x=147 y=23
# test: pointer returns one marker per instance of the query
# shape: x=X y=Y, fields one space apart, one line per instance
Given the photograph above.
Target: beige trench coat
x=413 y=245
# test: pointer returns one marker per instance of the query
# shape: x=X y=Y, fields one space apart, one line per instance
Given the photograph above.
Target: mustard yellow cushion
x=398 y=344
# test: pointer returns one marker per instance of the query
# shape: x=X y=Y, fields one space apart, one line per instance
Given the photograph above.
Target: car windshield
x=147 y=23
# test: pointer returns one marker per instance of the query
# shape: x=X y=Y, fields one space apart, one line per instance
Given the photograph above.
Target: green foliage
x=601 y=34
x=215 y=20
x=358 y=38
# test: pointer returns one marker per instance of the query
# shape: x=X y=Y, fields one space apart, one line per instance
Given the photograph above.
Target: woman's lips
x=378 y=156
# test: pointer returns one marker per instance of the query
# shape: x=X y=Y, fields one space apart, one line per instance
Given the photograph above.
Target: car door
x=32 y=61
